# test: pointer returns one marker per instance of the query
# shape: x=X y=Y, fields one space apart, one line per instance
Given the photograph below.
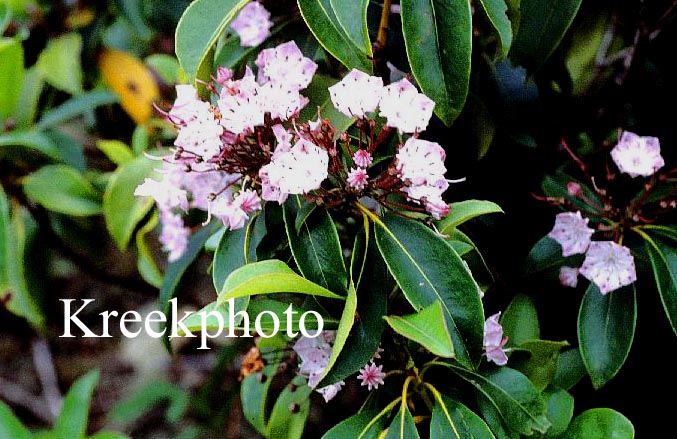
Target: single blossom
x=240 y=105
x=405 y=108
x=362 y=158
x=285 y=64
x=330 y=391
x=609 y=266
x=299 y=170
x=568 y=276
x=166 y=196
x=314 y=353
x=252 y=24
x=371 y=376
x=421 y=162
x=571 y=231
x=494 y=340
x=357 y=178
x=357 y=93
x=637 y=155
x=174 y=235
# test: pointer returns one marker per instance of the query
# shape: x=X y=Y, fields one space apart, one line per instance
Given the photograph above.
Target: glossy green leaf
x=600 y=423
x=496 y=11
x=667 y=231
x=254 y=393
x=451 y=419
x=198 y=30
x=520 y=321
x=463 y=211
x=62 y=189
x=438 y=38
x=72 y=422
x=537 y=359
x=31 y=90
x=288 y=418
x=10 y=425
x=166 y=66
x=45 y=144
x=11 y=74
x=316 y=247
x=266 y=277
x=494 y=420
x=116 y=151
x=542 y=26
x=373 y=287
x=517 y=400
x=352 y=17
x=570 y=369
x=428 y=271
x=121 y=208
x=76 y=106
x=606 y=328
x=402 y=426
x=582 y=53
x=145 y=263
x=545 y=254
x=427 y=328
x=60 y=63
x=347 y=428
x=560 y=410
x=663 y=259
x=555 y=186
x=321 y=18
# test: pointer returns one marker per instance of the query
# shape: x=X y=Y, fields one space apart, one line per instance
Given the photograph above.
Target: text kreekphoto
x=177 y=327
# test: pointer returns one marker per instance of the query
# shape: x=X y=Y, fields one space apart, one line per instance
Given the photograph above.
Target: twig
x=44 y=367
x=17 y=395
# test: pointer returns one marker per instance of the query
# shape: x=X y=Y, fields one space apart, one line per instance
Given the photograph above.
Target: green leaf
x=520 y=321
x=428 y=271
x=266 y=277
x=352 y=16
x=5 y=17
x=108 y=435
x=570 y=369
x=463 y=211
x=402 y=426
x=121 y=208
x=62 y=189
x=542 y=26
x=76 y=106
x=60 y=63
x=664 y=262
x=606 y=328
x=290 y=411
x=116 y=151
x=556 y=186
x=438 y=38
x=316 y=247
x=6 y=248
x=496 y=11
x=253 y=395
x=72 y=422
x=342 y=334
x=198 y=30
x=31 y=89
x=11 y=74
x=545 y=254
x=582 y=53
x=560 y=410
x=10 y=425
x=145 y=263
x=322 y=21
x=346 y=429
x=427 y=328
x=451 y=419
x=129 y=410
x=373 y=287
x=600 y=423
x=537 y=359
x=517 y=400
x=46 y=144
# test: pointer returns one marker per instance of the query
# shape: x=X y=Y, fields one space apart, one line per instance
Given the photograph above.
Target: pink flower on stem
x=609 y=266
x=371 y=375
x=571 y=231
x=330 y=391
x=357 y=178
x=362 y=158
x=494 y=340
x=637 y=155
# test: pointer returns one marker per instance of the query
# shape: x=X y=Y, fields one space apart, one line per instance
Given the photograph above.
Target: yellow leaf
x=131 y=80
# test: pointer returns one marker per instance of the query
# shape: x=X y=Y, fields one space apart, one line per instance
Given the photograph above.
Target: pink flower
x=571 y=231
x=248 y=200
x=609 y=266
x=298 y=170
x=314 y=353
x=330 y=391
x=362 y=158
x=357 y=93
x=240 y=105
x=371 y=375
x=166 y=195
x=421 y=162
x=405 y=108
x=285 y=64
x=357 y=178
x=252 y=24
x=636 y=155
x=568 y=276
x=494 y=340
x=174 y=235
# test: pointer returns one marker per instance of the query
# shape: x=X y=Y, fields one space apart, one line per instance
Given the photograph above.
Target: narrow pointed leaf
x=402 y=426
x=428 y=271
x=72 y=422
x=11 y=73
x=520 y=321
x=606 y=328
x=352 y=16
x=463 y=211
x=347 y=428
x=427 y=328
x=44 y=144
x=63 y=189
x=253 y=393
x=664 y=262
x=10 y=425
x=438 y=38
x=497 y=10
x=451 y=419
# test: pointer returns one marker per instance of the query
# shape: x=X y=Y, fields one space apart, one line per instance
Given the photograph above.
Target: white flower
x=187 y=103
x=405 y=108
x=357 y=93
x=636 y=155
x=421 y=162
x=571 y=231
x=609 y=266
x=494 y=340
x=285 y=64
x=240 y=105
x=201 y=135
x=280 y=100
x=174 y=235
x=252 y=24
x=298 y=170
x=166 y=195
x=330 y=391
x=314 y=353
x=568 y=276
